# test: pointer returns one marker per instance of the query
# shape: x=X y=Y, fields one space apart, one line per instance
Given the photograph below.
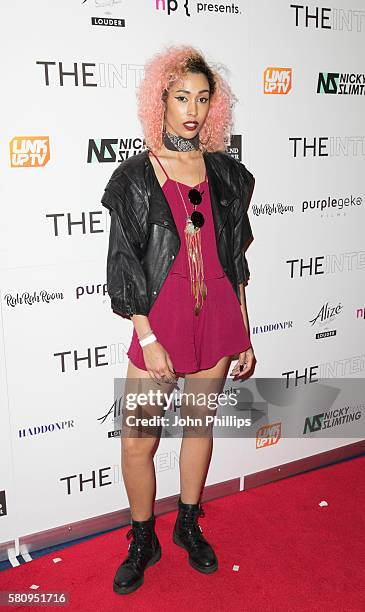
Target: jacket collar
x=222 y=195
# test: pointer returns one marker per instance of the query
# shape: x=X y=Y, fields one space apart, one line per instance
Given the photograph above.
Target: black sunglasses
x=195 y=198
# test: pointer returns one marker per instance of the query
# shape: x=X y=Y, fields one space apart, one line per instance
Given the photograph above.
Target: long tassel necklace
x=193 y=246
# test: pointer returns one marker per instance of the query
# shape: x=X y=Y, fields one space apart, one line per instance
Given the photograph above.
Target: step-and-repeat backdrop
x=69 y=79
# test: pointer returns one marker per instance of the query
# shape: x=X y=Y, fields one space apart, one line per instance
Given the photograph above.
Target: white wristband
x=148 y=340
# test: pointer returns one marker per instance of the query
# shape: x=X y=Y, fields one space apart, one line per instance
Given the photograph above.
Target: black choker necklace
x=178 y=143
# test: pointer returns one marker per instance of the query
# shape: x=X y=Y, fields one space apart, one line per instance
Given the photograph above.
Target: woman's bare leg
x=138 y=448
x=195 y=452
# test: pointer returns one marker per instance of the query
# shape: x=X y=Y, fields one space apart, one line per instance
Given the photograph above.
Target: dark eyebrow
x=187 y=91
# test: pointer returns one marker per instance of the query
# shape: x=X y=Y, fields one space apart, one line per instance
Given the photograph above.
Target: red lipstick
x=191 y=125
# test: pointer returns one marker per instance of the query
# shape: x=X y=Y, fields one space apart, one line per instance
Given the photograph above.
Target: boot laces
x=137 y=548
x=191 y=526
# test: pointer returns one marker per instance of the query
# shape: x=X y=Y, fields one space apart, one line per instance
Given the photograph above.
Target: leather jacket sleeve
x=242 y=228
x=124 y=269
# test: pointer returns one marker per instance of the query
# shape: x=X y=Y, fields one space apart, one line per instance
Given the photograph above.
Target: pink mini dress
x=194 y=342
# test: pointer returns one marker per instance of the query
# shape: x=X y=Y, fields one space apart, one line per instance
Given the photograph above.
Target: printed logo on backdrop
x=113 y=415
x=91 y=74
x=334 y=418
x=27 y=298
x=326 y=315
x=29 y=151
x=304 y=376
x=3 y=510
x=267 y=328
x=341 y=367
x=81 y=482
x=277 y=80
x=268 y=435
x=341 y=83
x=360 y=312
x=76 y=360
x=190 y=7
x=331 y=263
x=45 y=428
x=78 y=224
x=108 y=21
x=81 y=359
x=330 y=206
x=111 y=20
x=327 y=146
x=111 y=150
x=234 y=149
x=277 y=208
x=326 y=18
x=85 y=290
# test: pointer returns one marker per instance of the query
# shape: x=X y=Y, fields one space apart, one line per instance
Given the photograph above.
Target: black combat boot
x=188 y=534
x=143 y=551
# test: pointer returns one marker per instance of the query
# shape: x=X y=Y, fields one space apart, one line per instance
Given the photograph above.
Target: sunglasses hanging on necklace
x=195 y=197
x=193 y=245
x=196 y=219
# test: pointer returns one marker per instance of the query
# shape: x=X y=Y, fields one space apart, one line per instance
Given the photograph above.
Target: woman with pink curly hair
x=177 y=268
x=164 y=70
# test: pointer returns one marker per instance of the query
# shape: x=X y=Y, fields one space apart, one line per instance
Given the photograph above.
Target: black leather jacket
x=143 y=237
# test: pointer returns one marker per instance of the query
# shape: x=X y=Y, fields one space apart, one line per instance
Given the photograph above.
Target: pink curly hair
x=161 y=71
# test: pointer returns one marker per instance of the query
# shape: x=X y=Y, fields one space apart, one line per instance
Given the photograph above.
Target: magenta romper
x=194 y=342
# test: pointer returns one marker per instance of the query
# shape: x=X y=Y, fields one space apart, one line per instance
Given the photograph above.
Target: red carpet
x=292 y=554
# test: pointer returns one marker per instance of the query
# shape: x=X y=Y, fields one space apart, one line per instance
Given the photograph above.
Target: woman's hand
x=158 y=363
x=244 y=364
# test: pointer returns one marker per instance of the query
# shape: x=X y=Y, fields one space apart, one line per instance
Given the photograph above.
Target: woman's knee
x=137 y=449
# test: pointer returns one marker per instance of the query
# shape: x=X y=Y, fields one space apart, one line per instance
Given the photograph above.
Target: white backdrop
x=61 y=345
